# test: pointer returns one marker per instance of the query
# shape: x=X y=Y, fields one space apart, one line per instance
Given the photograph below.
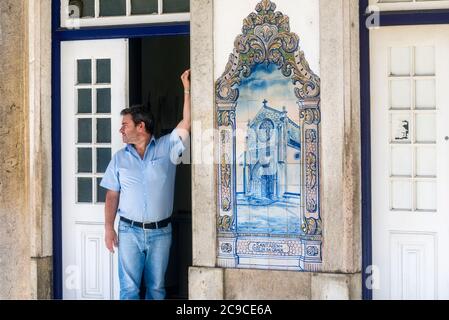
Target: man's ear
x=141 y=126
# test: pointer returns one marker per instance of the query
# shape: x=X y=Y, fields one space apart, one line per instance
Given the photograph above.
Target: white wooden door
x=94 y=88
x=410 y=161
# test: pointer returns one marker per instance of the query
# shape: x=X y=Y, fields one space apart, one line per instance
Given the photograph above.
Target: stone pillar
x=39 y=147
x=204 y=205
x=14 y=219
x=340 y=152
x=25 y=149
x=340 y=133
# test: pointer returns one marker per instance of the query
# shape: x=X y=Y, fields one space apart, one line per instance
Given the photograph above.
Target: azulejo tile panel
x=268 y=118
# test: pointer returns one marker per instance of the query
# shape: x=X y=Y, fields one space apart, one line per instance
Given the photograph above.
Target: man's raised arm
x=185 y=124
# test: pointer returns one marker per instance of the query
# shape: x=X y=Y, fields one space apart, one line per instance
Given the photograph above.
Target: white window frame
x=412 y=5
x=75 y=23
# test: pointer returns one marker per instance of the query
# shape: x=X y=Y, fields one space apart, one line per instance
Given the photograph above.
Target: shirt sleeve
x=176 y=145
x=110 y=179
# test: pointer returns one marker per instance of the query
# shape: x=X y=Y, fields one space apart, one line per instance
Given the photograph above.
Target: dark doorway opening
x=155 y=67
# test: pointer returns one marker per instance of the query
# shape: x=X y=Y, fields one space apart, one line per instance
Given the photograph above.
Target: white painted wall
x=228 y=22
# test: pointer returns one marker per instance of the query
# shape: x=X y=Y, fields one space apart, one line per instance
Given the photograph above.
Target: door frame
x=93 y=33
x=387 y=18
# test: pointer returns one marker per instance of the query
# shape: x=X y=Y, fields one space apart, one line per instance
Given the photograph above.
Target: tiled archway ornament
x=266 y=39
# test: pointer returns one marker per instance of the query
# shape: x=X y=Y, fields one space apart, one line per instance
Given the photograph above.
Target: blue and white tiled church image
x=268 y=117
x=268 y=167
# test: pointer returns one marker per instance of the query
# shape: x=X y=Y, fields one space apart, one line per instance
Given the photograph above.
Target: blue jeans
x=143 y=252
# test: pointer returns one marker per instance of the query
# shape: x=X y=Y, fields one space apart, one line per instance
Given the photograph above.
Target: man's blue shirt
x=146 y=185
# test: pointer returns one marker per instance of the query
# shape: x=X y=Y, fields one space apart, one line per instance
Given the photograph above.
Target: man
x=140 y=182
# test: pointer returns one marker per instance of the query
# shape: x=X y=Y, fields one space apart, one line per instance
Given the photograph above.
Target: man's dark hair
x=140 y=113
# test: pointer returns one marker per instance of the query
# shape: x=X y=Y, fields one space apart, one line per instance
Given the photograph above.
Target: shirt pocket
x=157 y=169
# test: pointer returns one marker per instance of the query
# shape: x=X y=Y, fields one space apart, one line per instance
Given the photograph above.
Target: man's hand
x=184 y=125
x=185 y=77
x=111 y=239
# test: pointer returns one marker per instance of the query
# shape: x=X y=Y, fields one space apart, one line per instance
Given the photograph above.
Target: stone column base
x=244 y=284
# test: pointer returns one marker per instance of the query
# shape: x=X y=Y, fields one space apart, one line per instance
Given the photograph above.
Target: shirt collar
x=130 y=147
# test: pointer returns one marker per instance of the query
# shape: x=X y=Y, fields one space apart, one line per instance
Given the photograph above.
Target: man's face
x=129 y=130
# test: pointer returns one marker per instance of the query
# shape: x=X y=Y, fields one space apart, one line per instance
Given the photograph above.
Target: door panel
x=410 y=157
x=94 y=89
